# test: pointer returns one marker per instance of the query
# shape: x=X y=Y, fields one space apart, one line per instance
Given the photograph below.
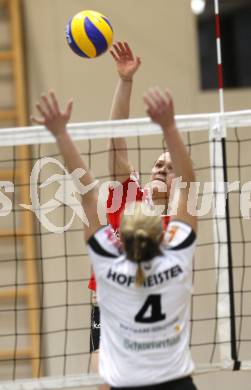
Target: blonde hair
x=141 y=236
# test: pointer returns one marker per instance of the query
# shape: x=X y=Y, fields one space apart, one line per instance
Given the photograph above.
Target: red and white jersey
x=131 y=191
x=145 y=330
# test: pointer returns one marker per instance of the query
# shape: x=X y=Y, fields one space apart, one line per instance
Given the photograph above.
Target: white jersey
x=144 y=330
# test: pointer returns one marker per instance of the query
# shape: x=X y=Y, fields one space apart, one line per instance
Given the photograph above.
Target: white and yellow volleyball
x=89 y=34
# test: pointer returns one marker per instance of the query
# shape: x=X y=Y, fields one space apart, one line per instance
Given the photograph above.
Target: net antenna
x=226 y=327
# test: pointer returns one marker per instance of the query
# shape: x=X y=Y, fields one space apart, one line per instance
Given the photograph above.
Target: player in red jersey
x=120 y=167
x=121 y=170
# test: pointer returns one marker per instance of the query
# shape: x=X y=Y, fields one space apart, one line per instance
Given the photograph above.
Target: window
x=235 y=17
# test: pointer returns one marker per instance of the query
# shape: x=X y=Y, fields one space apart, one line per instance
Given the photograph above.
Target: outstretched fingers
x=138 y=61
x=154 y=99
x=168 y=94
x=169 y=98
x=160 y=96
x=54 y=102
x=159 y=106
x=37 y=120
x=48 y=108
x=121 y=50
x=161 y=100
x=115 y=57
x=150 y=101
x=51 y=115
x=152 y=108
x=118 y=50
x=128 y=51
x=41 y=110
x=68 y=109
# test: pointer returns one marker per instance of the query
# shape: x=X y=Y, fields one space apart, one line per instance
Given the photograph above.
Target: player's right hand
x=51 y=115
x=127 y=64
x=160 y=108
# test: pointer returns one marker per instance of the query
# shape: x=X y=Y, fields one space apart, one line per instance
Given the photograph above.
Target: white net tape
x=34 y=135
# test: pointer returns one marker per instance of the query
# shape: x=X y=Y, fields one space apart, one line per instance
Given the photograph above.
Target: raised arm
x=160 y=108
x=56 y=120
x=127 y=65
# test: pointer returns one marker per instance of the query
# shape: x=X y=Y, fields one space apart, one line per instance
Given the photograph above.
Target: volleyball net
x=44 y=269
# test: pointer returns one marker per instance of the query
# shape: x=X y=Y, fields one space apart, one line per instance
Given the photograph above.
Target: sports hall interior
x=168 y=37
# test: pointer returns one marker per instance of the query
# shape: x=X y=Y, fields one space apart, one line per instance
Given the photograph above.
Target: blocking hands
x=160 y=108
x=51 y=115
x=127 y=64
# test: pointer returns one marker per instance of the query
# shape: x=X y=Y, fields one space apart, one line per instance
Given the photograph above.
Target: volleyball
x=89 y=34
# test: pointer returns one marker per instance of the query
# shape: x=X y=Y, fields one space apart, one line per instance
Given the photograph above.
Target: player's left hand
x=160 y=108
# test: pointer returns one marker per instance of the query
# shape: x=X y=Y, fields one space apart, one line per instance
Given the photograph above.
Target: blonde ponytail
x=140 y=276
x=140 y=242
x=141 y=236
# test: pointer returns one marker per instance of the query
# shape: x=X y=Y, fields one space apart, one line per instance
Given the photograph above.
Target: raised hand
x=51 y=115
x=127 y=64
x=160 y=108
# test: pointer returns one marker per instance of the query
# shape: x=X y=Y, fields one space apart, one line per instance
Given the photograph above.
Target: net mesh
x=45 y=302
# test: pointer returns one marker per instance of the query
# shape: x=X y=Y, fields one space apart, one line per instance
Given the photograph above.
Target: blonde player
x=143 y=293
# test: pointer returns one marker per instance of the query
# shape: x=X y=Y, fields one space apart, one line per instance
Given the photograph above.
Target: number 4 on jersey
x=152 y=303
